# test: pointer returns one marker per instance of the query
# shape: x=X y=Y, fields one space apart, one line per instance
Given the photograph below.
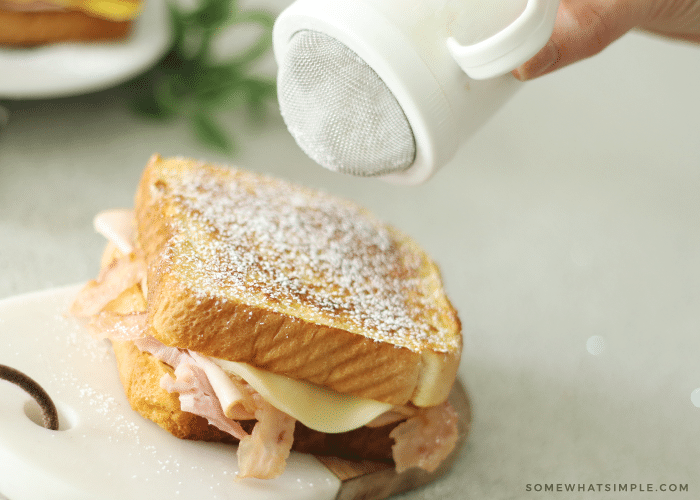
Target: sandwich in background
x=247 y=309
x=26 y=23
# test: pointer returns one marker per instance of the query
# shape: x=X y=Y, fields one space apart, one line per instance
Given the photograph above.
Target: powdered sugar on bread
x=274 y=242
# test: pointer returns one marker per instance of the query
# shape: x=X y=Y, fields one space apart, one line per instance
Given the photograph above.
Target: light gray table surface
x=574 y=213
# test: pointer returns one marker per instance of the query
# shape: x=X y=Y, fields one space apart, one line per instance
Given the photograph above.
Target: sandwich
x=246 y=309
x=40 y=22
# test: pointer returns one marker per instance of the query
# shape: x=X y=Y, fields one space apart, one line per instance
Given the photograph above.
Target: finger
x=582 y=29
x=679 y=19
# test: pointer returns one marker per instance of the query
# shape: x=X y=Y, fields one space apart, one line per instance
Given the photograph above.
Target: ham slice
x=235 y=394
x=425 y=439
x=197 y=395
x=191 y=382
x=118 y=227
x=168 y=355
x=264 y=453
x=113 y=280
x=261 y=454
x=115 y=326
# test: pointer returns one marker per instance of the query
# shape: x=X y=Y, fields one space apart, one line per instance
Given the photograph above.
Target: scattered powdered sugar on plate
x=105 y=405
x=273 y=242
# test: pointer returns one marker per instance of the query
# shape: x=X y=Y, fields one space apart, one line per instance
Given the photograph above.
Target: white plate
x=104 y=449
x=66 y=69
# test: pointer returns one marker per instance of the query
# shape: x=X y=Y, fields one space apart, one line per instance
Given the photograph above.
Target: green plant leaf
x=186 y=83
x=257 y=16
x=210 y=132
x=213 y=13
x=156 y=100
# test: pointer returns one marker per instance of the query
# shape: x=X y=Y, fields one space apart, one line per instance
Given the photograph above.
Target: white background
x=574 y=213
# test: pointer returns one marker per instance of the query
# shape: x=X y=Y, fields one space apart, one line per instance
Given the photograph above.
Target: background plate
x=76 y=68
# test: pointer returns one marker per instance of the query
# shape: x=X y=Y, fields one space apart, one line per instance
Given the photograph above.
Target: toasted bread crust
x=39 y=28
x=290 y=339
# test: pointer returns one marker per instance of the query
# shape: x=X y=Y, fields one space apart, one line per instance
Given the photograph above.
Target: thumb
x=582 y=28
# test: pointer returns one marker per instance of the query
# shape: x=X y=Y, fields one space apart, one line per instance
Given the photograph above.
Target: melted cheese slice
x=316 y=407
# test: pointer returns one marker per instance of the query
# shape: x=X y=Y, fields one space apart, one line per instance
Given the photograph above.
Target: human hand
x=585 y=27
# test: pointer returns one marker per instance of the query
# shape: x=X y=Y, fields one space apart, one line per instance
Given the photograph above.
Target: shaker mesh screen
x=339 y=111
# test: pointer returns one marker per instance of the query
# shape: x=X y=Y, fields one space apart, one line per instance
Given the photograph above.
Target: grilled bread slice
x=30 y=22
x=249 y=268
x=27 y=29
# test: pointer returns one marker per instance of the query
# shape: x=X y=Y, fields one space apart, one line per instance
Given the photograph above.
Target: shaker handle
x=510 y=47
